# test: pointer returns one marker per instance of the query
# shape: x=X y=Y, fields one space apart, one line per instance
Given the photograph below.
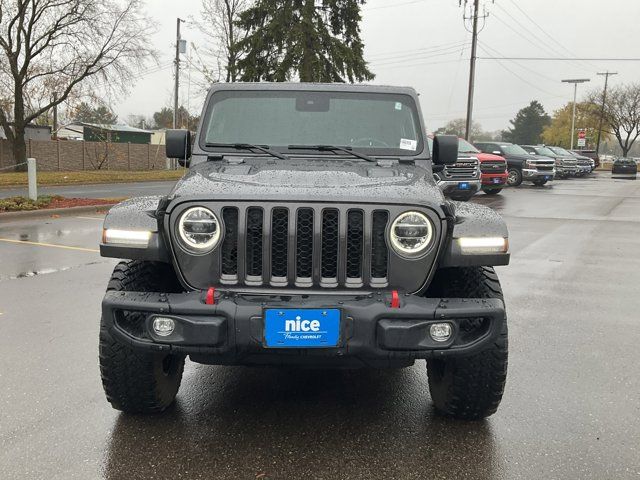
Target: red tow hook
x=395 y=299
x=210 y=299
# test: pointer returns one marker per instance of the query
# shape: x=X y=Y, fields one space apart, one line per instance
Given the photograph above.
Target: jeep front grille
x=304 y=247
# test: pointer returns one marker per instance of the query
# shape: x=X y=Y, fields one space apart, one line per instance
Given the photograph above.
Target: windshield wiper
x=249 y=146
x=332 y=148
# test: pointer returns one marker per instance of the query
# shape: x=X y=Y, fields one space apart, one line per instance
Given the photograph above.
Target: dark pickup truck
x=521 y=165
x=308 y=231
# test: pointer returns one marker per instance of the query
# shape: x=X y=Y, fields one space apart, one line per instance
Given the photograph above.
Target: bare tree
x=621 y=113
x=53 y=49
x=219 y=61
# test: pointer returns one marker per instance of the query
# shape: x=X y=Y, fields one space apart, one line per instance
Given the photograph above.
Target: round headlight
x=411 y=234
x=199 y=229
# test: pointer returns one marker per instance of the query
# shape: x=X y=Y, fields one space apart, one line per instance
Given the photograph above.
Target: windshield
x=561 y=151
x=463 y=146
x=466 y=147
x=372 y=123
x=513 y=150
x=545 y=151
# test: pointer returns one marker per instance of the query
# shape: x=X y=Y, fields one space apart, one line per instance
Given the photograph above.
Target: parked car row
x=492 y=166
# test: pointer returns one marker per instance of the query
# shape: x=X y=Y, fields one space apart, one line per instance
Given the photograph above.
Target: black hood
x=519 y=157
x=303 y=180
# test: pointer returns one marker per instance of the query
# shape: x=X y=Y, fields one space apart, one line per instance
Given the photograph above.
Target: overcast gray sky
x=424 y=44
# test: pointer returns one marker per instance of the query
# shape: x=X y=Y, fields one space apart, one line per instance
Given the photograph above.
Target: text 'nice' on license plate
x=301 y=328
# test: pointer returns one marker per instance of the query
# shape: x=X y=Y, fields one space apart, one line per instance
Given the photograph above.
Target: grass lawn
x=16 y=179
x=20 y=204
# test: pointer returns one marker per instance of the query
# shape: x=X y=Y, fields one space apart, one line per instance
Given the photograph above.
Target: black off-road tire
x=539 y=183
x=469 y=388
x=133 y=381
x=492 y=191
x=514 y=178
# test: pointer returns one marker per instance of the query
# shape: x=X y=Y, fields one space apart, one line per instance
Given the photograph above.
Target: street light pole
x=575 y=82
x=604 y=99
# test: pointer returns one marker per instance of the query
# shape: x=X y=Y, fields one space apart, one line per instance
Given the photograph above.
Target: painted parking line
x=40 y=244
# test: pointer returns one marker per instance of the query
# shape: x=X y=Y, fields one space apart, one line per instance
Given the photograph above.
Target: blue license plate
x=497 y=180
x=463 y=186
x=548 y=177
x=301 y=328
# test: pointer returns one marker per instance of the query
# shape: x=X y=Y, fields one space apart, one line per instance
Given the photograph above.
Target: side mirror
x=445 y=149
x=178 y=145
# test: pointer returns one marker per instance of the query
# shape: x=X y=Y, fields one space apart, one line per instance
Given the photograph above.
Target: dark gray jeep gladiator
x=308 y=231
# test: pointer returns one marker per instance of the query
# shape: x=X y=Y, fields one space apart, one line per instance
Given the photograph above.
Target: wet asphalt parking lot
x=571 y=408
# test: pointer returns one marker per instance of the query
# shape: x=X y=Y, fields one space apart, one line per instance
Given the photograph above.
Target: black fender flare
x=139 y=213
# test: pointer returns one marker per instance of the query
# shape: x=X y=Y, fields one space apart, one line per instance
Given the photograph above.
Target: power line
x=522 y=79
x=394 y=6
x=553 y=39
x=530 y=37
x=564 y=59
x=495 y=52
x=422 y=64
x=417 y=51
x=400 y=61
x=540 y=42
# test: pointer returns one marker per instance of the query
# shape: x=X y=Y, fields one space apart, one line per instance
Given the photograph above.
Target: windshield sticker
x=406 y=144
x=398 y=106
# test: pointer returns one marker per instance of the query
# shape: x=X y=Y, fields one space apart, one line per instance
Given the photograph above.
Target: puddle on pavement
x=45 y=271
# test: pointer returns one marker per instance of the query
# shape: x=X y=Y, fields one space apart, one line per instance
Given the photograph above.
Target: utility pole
x=55 y=116
x=604 y=99
x=177 y=79
x=472 y=67
x=575 y=82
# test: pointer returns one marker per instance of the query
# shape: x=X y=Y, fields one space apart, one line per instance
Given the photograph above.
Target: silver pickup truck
x=566 y=165
x=459 y=181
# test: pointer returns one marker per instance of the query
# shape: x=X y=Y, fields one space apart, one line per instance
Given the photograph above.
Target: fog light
x=440 y=332
x=163 y=326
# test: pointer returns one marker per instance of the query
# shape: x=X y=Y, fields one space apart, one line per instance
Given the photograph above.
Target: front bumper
x=494 y=180
x=452 y=188
x=535 y=174
x=565 y=171
x=372 y=333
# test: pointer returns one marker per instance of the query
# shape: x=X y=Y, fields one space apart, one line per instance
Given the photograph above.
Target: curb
x=44 y=212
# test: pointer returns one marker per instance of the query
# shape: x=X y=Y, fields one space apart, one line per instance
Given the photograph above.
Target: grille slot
x=330 y=238
x=304 y=244
x=254 y=241
x=355 y=243
x=229 y=250
x=379 y=252
x=279 y=242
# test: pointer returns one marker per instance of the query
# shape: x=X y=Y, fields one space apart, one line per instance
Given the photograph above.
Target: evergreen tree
x=164 y=118
x=288 y=39
x=528 y=125
x=88 y=114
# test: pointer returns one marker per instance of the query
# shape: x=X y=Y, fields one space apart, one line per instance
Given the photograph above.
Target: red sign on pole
x=582 y=134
